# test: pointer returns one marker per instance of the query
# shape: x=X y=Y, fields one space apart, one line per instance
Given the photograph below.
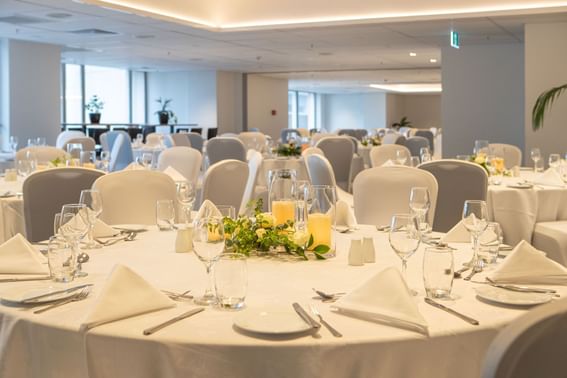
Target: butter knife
x=451 y=311
x=524 y=289
x=305 y=316
x=64 y=291
x=187 y=314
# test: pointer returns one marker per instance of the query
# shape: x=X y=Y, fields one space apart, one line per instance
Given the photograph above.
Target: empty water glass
x=481 y=147
x=104 y=160
x=414 y=161
x=88 y=159
x=535 y=154
x=147 y=160
x=14 y=143
x=165 y=214
x=490 y=241
x=227 y=211
x=554 y=161
x=401 y=157
x=61 y=258
x=438 y=272
x=40 y=141
x=231 y=281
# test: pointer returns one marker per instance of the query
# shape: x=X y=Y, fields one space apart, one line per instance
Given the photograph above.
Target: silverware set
x=124 y=236
x=181 y=297
x=311 y=322
x=79 y=296
x=327 y=297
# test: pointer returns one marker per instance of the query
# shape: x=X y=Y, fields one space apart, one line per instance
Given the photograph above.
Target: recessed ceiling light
x=412 y=54
x=432 y=60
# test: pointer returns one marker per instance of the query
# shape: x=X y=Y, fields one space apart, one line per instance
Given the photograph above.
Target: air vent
x=66 y=49
x=93 y=32
x=22 y=20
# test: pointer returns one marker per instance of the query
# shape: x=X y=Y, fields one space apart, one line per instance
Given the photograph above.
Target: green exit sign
x=455 y=39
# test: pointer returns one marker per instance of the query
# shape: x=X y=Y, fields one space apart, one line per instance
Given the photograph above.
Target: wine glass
x=481 y=147
x=535 y=154
x=105 y=160
x=73 y=226
x=93 y=202
x=554 y=161
x=475 y=220
x=420 y=204
x=186 y=196
x=401 y=157
x=404 y=238
x=14 y=143
x=208 y=243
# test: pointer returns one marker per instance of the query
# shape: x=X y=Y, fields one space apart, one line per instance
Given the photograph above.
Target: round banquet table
x=208 y=345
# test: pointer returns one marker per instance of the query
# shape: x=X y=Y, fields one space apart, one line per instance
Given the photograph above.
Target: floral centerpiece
x=260 y=233
x=288 y=149
x=371 y=141
x=492 y=166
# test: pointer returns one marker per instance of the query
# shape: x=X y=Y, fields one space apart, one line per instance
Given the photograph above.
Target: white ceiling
x=349 y=54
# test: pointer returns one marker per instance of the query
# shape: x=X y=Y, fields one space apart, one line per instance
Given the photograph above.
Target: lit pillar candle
x=283 y=211
x=319 y=225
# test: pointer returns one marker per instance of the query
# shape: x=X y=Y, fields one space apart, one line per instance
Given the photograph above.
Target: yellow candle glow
x=283 y=211
x=319 y=225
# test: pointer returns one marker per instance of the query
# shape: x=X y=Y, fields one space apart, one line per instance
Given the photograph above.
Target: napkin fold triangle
x=458 y=234
x=102 y=230
x=550 y=177
x=125 y=294
x=526 y=264
x=385 y=298
x=17 y=256
x=344 y=215
x=174 y=174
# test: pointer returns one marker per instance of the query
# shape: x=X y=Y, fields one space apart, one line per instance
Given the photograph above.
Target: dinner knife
x=187 y=314
x=523 y=289
x=42 y=278
x=305 y=316
x=451 y=311
x=64 y=291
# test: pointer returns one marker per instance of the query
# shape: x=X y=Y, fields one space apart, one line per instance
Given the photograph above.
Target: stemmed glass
x=554 y=161
x=475 y=220
x=14 y=143
x=535 y=154
x=404 y=239
x=420 y=203
x=186 y=196
x=105 y=160
x=208 y=243
x=401 y=157
x=93 y=208
x=73 y=226
x=481 y=147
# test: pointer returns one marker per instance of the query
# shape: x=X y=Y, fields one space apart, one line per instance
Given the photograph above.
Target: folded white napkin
x=102 y=230
x=458 y=234
x=525 y=264
x=125 y=294
x=385 y=298
x=207 y=210
x=17 y=256
x=344 y=215
x=389 y=163
x=550 y=177
x=174 y=174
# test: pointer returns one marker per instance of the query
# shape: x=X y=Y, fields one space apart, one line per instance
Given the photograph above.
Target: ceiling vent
x=22 y=20
x=93 y=32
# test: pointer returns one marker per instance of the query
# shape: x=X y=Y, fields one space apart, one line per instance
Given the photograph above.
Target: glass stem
x=91 y=235
x=475 y=263
x=209 y=290
x=404 y=268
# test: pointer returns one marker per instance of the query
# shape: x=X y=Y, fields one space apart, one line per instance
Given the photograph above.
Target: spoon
x=82 y=258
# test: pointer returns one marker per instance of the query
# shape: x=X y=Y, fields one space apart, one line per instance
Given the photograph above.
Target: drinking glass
x=535 y=154
x=14 y=143
x=25 y=167
x=475 y=220
x=74 y=151
x=490 y=241
x=88 y=159
x=401 y=157
x=73 y=226
x=302 y=203
x=139 y=139
x=61 y=258
x=208 y=243
x=554 y=161
x=481 y=147
x=40 y=141
x=281 y=195
x=414 y=161
x=165 y=215
x=231 y=281
x=321 y=217
x=186 y=196
x=93 y=208
x=31 y=142
x=420 y=204
x=104 y=160
x=404 y=238
x=147 y=160
x=438 y=272
x=56 y=223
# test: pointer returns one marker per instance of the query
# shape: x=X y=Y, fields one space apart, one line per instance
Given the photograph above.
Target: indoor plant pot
x=94 y=117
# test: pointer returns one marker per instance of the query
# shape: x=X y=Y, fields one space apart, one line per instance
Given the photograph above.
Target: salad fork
x=77 y=297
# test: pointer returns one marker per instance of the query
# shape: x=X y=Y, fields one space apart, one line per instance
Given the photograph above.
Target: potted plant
x=94 y=106
x=403 y=123
x=165 y=113
x=543 y=103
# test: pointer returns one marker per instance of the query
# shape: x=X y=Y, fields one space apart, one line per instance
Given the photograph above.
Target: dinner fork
x=77 y=297
x=331 y=329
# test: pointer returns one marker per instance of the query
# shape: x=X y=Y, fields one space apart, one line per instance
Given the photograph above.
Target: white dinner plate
x=271 y=321
x=509 y=297
x=17 y=295
x=520 y=186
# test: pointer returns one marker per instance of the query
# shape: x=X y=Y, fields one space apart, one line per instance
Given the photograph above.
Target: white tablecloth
x=11 y=209
x=207 y=345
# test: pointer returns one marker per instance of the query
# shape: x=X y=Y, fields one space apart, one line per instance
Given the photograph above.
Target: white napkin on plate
x=102 y=230
x=384 y=298
x=174 y=174
x=125 y=294
x=525 y=264
x=17 y=256
x=207 y=210
x=550 y=177
x=458 y=234
x=344 y=215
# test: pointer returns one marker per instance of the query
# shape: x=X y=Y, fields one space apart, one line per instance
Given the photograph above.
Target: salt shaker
x=184 y=240
x=355 y=255
x=368 y=251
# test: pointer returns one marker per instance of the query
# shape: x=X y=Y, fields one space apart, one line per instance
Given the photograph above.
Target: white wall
x=229 y=102
x=31 y=94
x=353 y=111
x=546 y=67
x=265 y=94
x=194 y=96
x=483 y=96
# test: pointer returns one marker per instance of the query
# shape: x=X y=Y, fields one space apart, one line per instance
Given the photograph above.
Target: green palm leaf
x=543 y=104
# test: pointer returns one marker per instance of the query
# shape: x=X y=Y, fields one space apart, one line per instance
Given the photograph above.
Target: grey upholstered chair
x=45 y=192
x=458 y=181
x=225 y=183
x=181 y=140
x=339 y=151
x=121 y=154
x=287 y=134
x=414 y=144
x=196 y=141
x=320 y=170
x=429 y=136
x=223 y=148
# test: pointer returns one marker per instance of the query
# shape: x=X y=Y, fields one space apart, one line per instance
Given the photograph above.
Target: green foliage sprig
x=288 y=149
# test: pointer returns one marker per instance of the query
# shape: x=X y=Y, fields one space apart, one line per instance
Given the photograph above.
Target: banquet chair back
x=107 y=139
x=458 y=181
x=381 y=192
x=225 y=183
x=391 y=137
x=45 y=192
x=360 y=133
x=121 y=154
x=339 y=151
x=253 y=140
x=43 y=154
x=354 y=143
x=129 y=197
x=347 y=132
x=154 y=139
x=320 y=170
x=415 y=143
x=287 y=134
x=181 y=140
x=312 y=150
x=185 y=160
x=196 y=141
x=379 y=155
x=88 y=143
x=303 y=132
x=427 y=135
x=223 y=148
x=512 y=154
x=315 y=138
x=532 y=346
x=64 y=136
x=254 y=163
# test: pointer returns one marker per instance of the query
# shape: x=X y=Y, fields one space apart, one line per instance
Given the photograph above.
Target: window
x=112 y=86
x=138 y=97
x=301 y=110
x=292 y=109
x=73 y=94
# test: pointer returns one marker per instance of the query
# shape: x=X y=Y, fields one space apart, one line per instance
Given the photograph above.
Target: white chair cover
x=253 y=140
x=154 y=139
x=225 y=183
x=381 y=192
x=532 y=346
x=107 y=139
x=381 y=154
x=88 y=144
x=339 y=151
x=551 y=237
x=254 y=163
x=43 y=154
x=315 y=138
x=44 y=192
x=312 y=150
x=320 y=170
x=121 y=154
x=64 y=136
x=415 y=143
x=181 y=140
x=185 y=160
x=512 y=154
x=129 y=197
x=223 y=148
x=303 y=132
x=458 y=181
x=391 y=137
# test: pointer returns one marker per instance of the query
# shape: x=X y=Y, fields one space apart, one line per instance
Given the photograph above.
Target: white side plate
x=509 y=297
x=271 y=321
